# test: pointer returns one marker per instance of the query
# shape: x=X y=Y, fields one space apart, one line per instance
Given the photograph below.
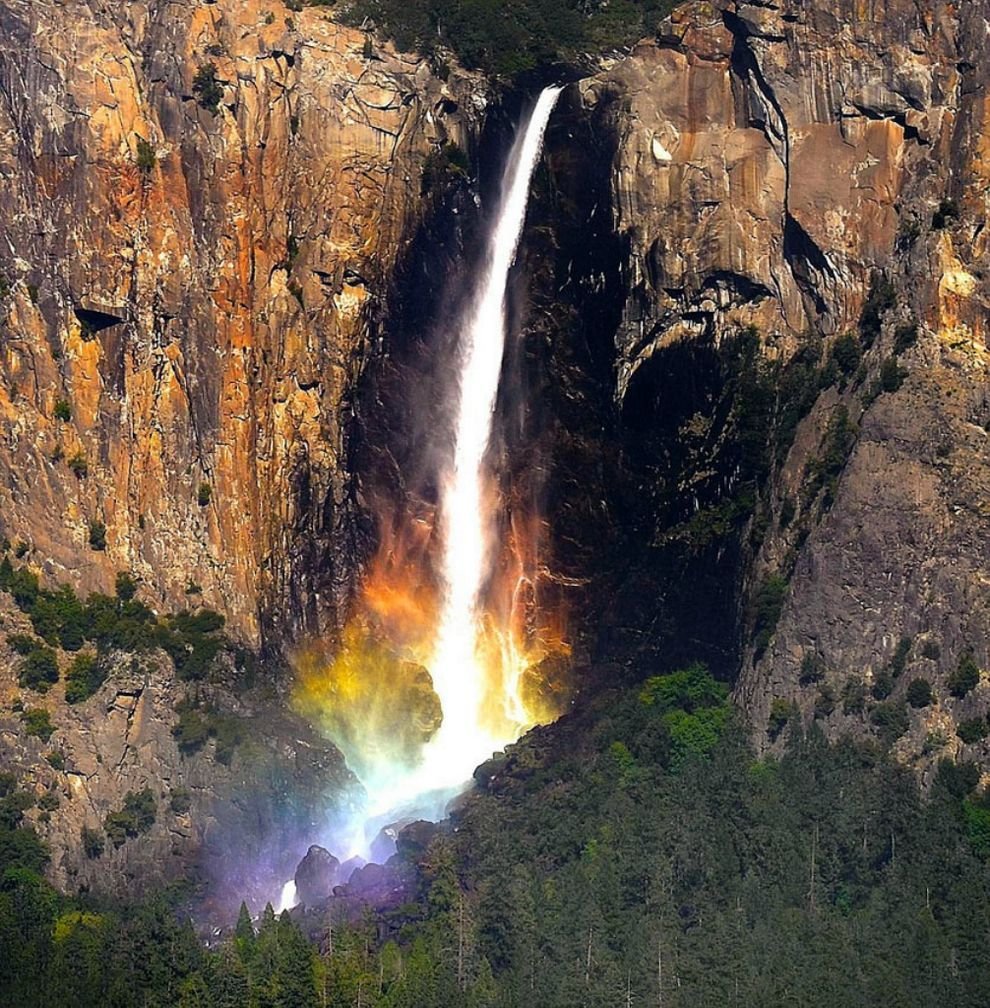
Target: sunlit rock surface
x=197 y=287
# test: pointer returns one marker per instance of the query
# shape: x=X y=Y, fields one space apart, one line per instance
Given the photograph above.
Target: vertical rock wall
x=807 y=173
x=194 y=290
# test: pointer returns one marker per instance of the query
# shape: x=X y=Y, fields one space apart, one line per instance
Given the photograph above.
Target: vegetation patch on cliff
x=509 y=39
x=118 y=622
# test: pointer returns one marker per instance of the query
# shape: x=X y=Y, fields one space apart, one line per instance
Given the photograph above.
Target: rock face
x=316 y=876
x=811 y=172
x=236 y=809
x=769 y=154
x=755 y=347
x=186 y=291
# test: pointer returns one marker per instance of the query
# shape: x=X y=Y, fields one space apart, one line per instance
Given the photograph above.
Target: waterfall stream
x=469 y=549
x=462 y=741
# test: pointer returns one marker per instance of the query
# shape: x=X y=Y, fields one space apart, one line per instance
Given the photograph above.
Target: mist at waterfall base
x=449 y=655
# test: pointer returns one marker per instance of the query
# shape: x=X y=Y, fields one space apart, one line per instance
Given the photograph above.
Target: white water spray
x=287 y=897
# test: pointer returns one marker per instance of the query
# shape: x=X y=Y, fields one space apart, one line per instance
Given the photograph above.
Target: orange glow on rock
x=372 y=694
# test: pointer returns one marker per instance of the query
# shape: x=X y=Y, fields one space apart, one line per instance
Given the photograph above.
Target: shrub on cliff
x=919 y=693
x=38 y=670
x=812 y=669
x=97 y=535
x=38 y=722
x=192 y=640
x=901 y=653
x=891 y=719
x=965 y=677
x=146 y=158
x=883 y=685
x=847 y=353
x=769 y=605
x=854 y=695
x=191 y=732
x=197 y=725
x=22 y=583
x=58 y=617
x=125 y=587
x=442 y=166
x=824 y=471
x=20 y=847
x=137 y=816
x=781 y=711
x=972 y=730
x=83 y=678
x=207 y=88
x=79 y=465
x=892 y=375
x=180 y=801
x=92 y=842
x=905 y=337
x=881 y=298
x=946 y=215
x=22 y=644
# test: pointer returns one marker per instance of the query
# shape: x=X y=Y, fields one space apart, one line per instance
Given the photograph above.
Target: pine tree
x=193 y=993
x=229 y=982
x=295 y=978
x=244 y=936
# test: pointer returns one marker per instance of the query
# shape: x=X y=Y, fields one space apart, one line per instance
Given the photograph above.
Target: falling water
x=287 y=897
x=468 y=548
x=462 y=741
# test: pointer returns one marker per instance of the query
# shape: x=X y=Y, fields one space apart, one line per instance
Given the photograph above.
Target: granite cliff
x=203 y=206
x=754 y=354
x=795 y=257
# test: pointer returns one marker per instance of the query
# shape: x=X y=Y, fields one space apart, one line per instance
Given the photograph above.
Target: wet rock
x=383 y=846
x=486 y=773
x=368 y=878
x=348 y=867
x=316 y=876
x=414 y=839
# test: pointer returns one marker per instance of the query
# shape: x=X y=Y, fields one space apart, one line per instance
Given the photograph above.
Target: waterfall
x=462 y=742
x=468 y=734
